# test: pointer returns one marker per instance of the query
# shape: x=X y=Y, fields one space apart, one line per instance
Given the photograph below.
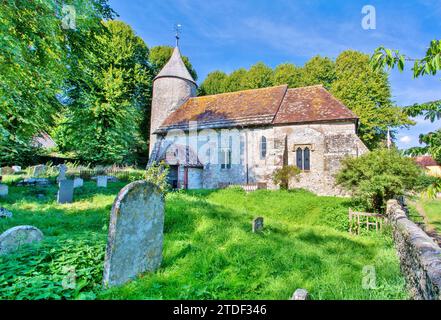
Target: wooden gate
x=359 y=219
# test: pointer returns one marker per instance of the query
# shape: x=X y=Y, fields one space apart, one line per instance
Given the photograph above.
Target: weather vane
x=178 y=33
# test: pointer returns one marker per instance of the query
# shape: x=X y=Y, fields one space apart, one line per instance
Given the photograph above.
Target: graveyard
x=211 y=248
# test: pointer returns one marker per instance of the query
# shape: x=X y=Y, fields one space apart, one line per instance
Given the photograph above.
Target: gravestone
x=12 y=239
x=65 y=191
x=78 y=182
x=39 y=170
x=34 y=182
x=3 y=190
x=5 y=213
x=62 y=172
x=136 y=232
x=6 y=171
x=101 y=181
x=300 y=294
x=257 y=224
x=16 y=169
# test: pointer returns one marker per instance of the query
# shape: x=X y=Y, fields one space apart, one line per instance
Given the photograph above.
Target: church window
x=299 y=158
x=263 y=147
x=303 y=158
x=225 y=158
x=306 y=159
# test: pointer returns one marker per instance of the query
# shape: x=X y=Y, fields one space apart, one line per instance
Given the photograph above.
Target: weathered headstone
x=65 y=191
x=34 y=182
x=136 y=234
x=3 y=190
x=16 y=169
x=5 y=213
x=39 y=170
x=101 y=181
x=62 y=172
x=6 y=171
x=300 y=294
x=78 y=182
x=12 y=239
x=257 y=224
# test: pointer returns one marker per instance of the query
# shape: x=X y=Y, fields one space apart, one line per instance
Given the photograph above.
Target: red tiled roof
x=425 y=161
x=311 y=104
x=273 y=105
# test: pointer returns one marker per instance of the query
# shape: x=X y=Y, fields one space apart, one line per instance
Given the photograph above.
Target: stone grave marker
x=6 y=171
x=136 y=232
x=39 y=170
x=62 y=172
x=78 y=182
x=12 y=239
x=3 y=190
x=101 y=181
x=16 y=169
x=5 y=213
x=300 y=294
x=257 y=224
x=65 y=191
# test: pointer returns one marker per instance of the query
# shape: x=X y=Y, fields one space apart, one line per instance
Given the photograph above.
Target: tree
x=287 y=73
x=259 y=76
x=235 y=80
x=318 y=70
x=430 y=64
x=160 y=55
x=102 y=120
x=214 y=83
x=378 y=176
x=367 y=93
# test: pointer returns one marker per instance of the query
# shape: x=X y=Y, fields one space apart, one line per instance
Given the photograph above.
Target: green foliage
x=259 y=76
x=214 y=83
x=318 y=70
x=160 y=55
x=282 y=176
x=103 y=120
x=287 y=73
x=367 y=93
x=378 y=176
x=236 y=80
x=157 y=173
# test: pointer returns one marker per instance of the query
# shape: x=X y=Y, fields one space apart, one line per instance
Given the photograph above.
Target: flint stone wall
x=135 y=233
x=419 y=255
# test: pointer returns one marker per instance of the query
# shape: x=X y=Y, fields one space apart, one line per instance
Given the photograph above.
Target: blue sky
x=225 y=35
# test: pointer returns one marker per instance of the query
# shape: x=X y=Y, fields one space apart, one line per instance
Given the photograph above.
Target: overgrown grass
x=209 y=249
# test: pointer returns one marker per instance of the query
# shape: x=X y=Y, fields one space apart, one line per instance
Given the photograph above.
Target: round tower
x=171 y=88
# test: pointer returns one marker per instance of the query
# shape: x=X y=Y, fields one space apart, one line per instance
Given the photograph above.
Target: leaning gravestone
x=300 y=294
x=257 y=224
x=3 y=190
x=78 y=182
x=62 y=172
x=65 y=191
x=136 y=234
x=39 y=170
x=101 y=181
x=12 y=239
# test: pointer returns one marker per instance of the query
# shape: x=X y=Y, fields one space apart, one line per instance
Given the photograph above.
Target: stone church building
x=242 y=137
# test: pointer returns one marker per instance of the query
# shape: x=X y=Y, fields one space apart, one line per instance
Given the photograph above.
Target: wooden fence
x=359 y=219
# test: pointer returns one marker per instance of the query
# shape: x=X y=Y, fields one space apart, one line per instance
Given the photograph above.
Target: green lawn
x=209 y=249
x=432 y=209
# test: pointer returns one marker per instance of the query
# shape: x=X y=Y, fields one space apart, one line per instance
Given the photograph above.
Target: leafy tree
x=367 y=93
x=378 y=176
x=259 y=76
x=102 y=120
x=160 y=55
x=287 y=73
x=430 y=64
x=236 y=80
x=214 y=83
x=318 y=70
x=283 y=175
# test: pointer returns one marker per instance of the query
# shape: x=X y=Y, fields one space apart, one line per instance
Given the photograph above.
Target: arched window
x=262 y=147
x=306 y=159
x=299 y=158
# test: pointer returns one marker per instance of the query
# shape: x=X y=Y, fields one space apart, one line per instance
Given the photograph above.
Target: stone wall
x=420 y=257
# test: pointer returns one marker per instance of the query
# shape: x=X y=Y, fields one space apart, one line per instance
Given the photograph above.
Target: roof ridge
x=239 y=91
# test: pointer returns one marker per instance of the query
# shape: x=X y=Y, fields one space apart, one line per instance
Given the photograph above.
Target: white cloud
x=406 y=139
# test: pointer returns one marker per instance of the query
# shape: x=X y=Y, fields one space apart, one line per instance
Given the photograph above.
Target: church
x=240 y=138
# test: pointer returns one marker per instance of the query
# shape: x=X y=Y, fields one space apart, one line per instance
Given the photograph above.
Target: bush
x=378 y=176
x=158 y=174
x=282 y=176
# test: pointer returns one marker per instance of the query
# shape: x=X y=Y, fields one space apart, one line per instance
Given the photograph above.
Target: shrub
x=282 y=176
x=158 y=174
x=378 y=176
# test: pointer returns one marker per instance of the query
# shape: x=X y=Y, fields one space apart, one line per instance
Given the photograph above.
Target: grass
x=428 y=211
x=209 y=249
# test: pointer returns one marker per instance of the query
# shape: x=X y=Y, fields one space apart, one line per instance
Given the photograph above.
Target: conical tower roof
x=175 y=68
